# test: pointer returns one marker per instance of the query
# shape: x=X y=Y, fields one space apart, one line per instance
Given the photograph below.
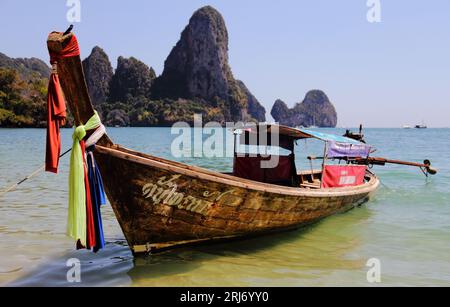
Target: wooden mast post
x=73 y=83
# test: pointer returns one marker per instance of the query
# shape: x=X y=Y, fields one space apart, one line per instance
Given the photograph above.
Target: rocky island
x=315 y=110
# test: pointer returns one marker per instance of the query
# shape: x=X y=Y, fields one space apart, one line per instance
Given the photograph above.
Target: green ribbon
x=76 y=223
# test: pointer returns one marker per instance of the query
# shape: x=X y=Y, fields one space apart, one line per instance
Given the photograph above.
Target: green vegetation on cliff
x=22 y=101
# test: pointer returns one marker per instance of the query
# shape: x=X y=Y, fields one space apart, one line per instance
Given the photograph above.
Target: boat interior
x=284 y=174
x=257 y=166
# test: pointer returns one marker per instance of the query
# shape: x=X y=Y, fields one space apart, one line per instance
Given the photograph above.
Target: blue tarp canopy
x=329 y=137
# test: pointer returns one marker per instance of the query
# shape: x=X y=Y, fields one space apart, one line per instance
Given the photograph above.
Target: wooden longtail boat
x=161 y=204
x=206 y=205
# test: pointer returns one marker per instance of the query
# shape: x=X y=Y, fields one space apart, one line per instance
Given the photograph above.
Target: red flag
x=336 y=176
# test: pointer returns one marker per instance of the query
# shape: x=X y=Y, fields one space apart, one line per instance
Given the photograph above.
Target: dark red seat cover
x=250 y=168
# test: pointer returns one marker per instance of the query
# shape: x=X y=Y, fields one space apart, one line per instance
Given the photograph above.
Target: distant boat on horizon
x=406 y=127
x=421 y=126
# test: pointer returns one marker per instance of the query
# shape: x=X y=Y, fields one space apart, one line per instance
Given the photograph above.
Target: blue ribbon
x=97 y=196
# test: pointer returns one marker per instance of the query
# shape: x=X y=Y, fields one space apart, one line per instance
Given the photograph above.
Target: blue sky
x=380 y=74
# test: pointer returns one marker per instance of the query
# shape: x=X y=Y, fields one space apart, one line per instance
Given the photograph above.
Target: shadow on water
x=108 y=267
x=185 y=259
x=115 y=265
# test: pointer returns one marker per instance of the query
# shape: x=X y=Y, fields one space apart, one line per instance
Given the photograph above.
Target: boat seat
x=310 y=185
x=250 y=168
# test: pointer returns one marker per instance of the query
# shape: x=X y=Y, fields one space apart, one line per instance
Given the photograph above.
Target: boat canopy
x=295 y=133
x=337 y=146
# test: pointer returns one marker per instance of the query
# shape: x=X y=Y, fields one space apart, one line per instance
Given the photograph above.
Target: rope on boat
x=34 y=173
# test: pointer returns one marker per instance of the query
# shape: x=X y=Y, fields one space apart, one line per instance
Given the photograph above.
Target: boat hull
x=161 y=204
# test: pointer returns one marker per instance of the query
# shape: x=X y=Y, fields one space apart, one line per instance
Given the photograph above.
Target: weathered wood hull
x=160 y=204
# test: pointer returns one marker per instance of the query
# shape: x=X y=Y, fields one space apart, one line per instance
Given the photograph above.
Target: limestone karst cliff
x=98 y=72
x=197 y=68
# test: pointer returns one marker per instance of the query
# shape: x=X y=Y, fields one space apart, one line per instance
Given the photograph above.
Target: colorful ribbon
x=77 y=219
x=98 y=197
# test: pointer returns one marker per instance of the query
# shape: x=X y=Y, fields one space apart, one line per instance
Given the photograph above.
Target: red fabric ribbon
x=90 y=227
x=56 y=107
x=70 y=50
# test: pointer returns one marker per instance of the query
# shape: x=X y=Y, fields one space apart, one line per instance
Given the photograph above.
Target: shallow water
x=406 y=225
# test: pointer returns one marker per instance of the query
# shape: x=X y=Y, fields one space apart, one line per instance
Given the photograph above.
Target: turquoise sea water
x=406 y=225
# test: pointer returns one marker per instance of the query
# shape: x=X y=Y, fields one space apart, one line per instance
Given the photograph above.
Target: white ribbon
x=98 y=133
